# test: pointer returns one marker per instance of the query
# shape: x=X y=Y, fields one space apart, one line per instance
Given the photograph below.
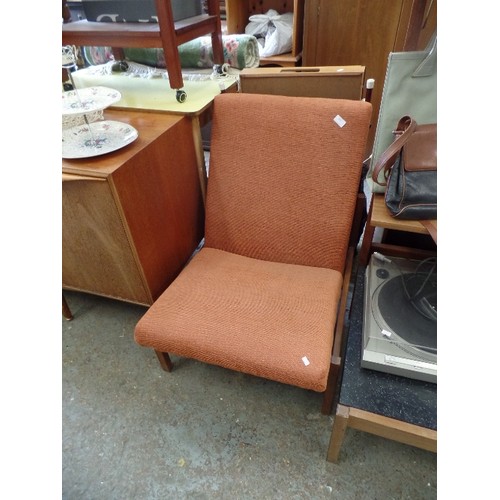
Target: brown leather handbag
x=410 y=171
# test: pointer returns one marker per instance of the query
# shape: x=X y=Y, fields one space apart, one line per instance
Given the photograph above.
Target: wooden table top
x=382 y=218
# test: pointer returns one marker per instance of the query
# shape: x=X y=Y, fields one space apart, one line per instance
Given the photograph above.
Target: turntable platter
x=394 y=311
x=400 y=317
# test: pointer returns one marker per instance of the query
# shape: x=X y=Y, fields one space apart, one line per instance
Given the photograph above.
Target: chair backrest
x=284 y=176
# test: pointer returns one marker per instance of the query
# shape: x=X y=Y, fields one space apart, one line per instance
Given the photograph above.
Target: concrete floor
x=132 y=431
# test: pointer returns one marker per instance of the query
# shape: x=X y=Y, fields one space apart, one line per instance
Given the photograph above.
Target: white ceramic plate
x=88 y=99
x=98 y=138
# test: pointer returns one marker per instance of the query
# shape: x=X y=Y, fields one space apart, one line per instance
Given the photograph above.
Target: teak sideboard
x=132 y=218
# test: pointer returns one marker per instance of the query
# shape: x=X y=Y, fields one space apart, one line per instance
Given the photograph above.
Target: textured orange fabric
x=263 y=292
x=282 y=186
x=248 y=315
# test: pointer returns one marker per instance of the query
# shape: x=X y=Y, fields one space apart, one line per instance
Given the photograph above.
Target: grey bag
x=410 y=88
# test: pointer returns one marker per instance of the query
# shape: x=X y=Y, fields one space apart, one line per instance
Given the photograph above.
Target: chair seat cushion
x=257 y=317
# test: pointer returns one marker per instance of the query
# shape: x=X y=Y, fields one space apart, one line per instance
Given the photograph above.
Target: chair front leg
x=332 y=386
x=333 y=382
x=165 y=361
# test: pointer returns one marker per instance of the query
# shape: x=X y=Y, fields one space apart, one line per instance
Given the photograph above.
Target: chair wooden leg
x=66 y=310
x=164 y=360
x=331 y=387
x=333 y=382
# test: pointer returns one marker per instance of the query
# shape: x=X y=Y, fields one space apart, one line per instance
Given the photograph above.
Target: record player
x=400 y=317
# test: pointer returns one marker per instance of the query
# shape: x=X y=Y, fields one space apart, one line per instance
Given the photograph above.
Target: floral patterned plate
x=98 y=138
x=88 y=99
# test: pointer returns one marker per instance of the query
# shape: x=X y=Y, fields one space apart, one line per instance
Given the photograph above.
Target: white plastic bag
x=273 y=31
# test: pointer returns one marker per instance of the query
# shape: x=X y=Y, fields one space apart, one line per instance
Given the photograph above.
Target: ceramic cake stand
x=84 y=133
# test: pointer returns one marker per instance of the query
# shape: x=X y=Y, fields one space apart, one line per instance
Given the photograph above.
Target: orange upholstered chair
x=262 y=296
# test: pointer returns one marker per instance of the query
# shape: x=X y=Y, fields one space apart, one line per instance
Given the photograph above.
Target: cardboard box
x=338 y=82
x=120 y=11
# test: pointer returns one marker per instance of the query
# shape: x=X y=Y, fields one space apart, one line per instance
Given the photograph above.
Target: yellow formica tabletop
x=154 y=93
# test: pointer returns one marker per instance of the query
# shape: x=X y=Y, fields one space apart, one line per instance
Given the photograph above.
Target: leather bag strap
x=404 y=130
